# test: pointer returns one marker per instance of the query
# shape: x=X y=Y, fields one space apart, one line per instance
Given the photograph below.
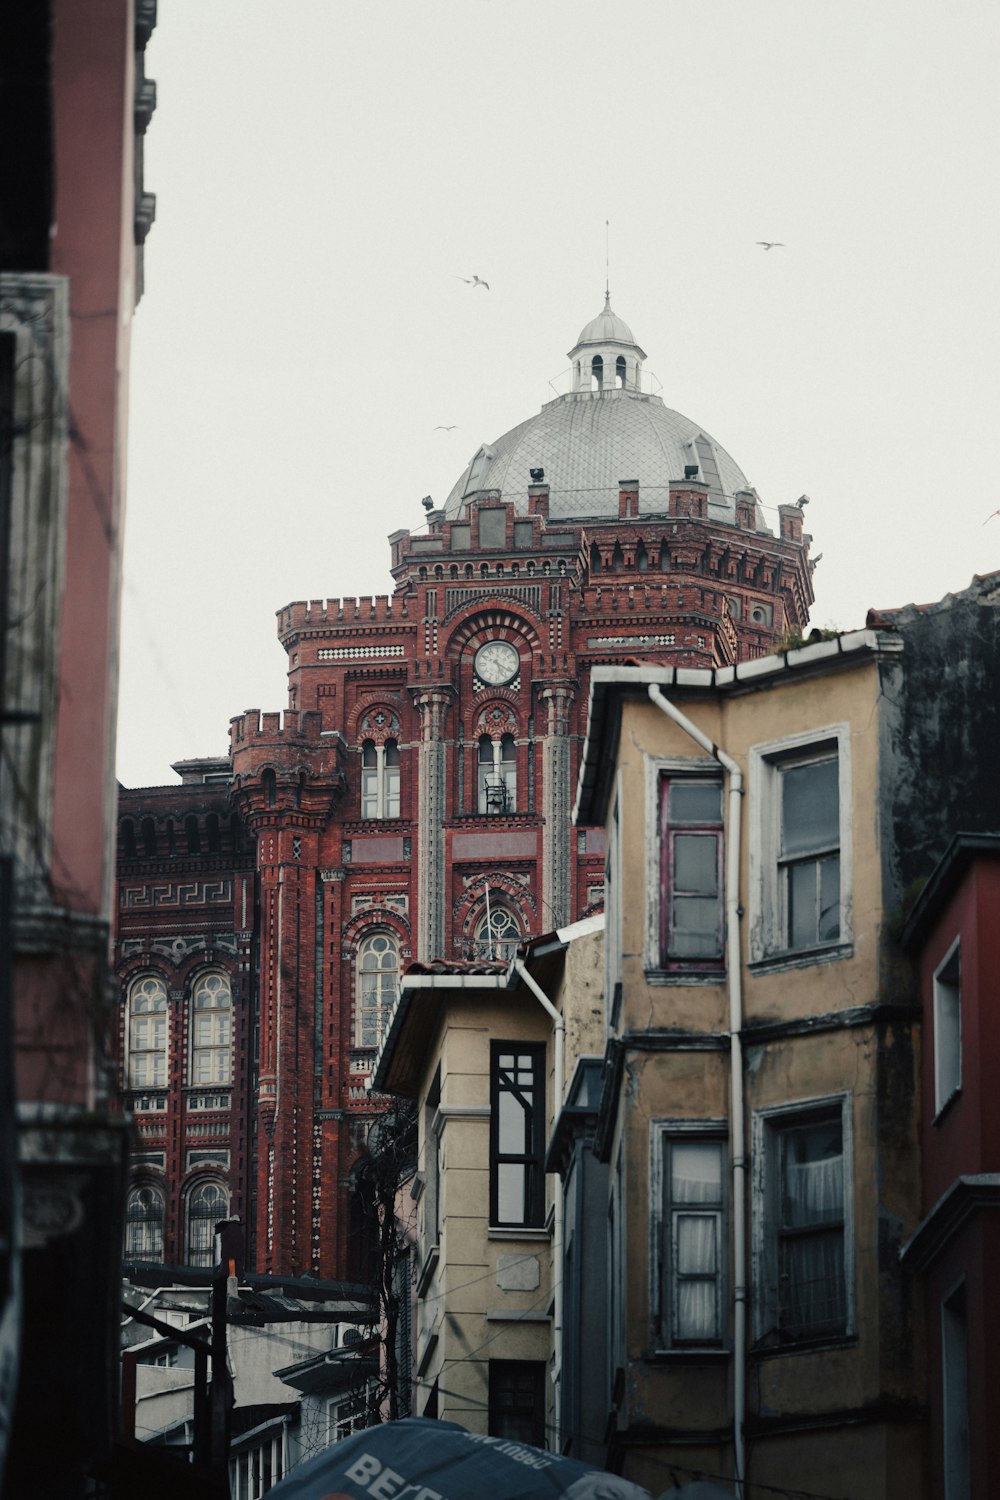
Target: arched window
x=211 y=1029
x=620 y=371
x=497 y=933
x=213 y=833
x=207 y=1204
x=144 y=1224
x=595 y=558
x=642 y=558
x=147 y=1033
x=148 y=828
x=128 y=838
x=380 y=779
x=378 y=975
x=192 y=834
x=269 y=786
x=497 y=775
x=596 y=373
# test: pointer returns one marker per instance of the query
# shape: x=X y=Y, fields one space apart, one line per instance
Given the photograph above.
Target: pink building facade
x=76 y=216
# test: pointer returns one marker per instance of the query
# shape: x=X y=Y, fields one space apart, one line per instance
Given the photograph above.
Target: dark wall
x=941 y=744
x=26 y=130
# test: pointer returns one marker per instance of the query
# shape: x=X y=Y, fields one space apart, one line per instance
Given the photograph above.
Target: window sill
x=526 y=1232
x=802 y=958
x=686 y=977
x=817 y=1345
x=693 y=1354
x=428 y=1269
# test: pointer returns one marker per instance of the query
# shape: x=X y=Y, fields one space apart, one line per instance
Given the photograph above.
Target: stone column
x=557 y=801
x=432 y=704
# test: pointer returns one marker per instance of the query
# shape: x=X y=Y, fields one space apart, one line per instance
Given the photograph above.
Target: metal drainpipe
x=559 y=1068
x=734 y=985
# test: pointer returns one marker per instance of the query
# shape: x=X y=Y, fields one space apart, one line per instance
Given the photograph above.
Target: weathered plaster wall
x=942 y=728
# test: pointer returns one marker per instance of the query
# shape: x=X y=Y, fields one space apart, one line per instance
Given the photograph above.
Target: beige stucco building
x=758 y=1115
x=487 y=1050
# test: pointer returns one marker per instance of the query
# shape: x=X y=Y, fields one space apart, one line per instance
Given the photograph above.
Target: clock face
x=497 y=662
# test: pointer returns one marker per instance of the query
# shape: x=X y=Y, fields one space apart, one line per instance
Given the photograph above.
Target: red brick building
x=953 y=934
x=413 y=800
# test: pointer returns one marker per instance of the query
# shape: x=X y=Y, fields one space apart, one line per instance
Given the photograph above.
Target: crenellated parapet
x=286 y=768
x=310 y=616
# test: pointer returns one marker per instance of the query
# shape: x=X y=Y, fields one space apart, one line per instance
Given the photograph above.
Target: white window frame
x=214 y=1055
x=345 y=1414
x=498 y=775
x=767 y=931
x=948 y=1028
x=663 y=1135
x=383 y=1003
x=659 y=769
x=766 y=1129
x=248 y=1475
x=154 y=1028
x=497 y=935
x=380 y=784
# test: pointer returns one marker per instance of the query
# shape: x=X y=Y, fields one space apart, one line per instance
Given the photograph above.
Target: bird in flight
x=474 y=281
x=442 y=428
x=991 y=515
x=772 y=244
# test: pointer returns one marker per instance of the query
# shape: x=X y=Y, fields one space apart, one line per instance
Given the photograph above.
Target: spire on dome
x=606 y=355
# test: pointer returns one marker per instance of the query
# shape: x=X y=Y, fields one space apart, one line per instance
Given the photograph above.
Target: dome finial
x=607 y=267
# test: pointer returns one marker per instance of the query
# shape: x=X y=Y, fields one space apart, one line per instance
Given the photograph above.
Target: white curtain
x=696 y=1178
x=812 y=1270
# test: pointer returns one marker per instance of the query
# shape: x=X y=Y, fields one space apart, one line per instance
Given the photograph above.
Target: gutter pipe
x=734 y=986
x=558 y=1084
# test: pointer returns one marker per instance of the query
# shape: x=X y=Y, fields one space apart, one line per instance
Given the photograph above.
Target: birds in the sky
x=991 y=515
x=772 y=244
x=442 y=428
x=474 y=281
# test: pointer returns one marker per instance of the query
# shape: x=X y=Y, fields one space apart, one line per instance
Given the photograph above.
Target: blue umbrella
x=421 y=1458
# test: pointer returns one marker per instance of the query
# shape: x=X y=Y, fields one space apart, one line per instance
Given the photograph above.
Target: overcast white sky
x=326 y=171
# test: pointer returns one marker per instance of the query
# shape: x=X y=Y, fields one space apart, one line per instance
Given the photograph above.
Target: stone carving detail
x=379 y=724
x=177 y=893
x=177 y=949
x=495 y=720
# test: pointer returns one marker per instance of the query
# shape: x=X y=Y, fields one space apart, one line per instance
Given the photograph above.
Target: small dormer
x=606 y=356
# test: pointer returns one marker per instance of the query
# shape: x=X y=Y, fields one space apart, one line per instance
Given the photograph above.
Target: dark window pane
x=694 y=802
x=696 y=1172
x=810 y=807
x=696 y=928
x=696 y=863
x=829 y=899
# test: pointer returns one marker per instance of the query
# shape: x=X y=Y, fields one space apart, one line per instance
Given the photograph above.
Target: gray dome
x=606 y=328
x=605 y=430
x=587 y=442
